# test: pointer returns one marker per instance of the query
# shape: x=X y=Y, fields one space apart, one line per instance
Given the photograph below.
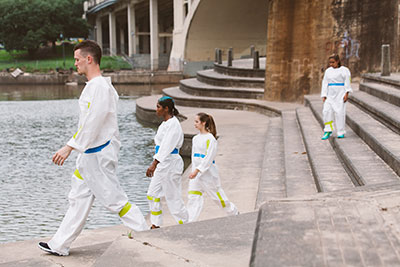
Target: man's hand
x=61 y=155
x=323 y=99
x=150 y=171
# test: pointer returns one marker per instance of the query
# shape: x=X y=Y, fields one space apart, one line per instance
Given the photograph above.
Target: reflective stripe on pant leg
x=329 y=123
x=153 y=207
x=77 y=174
x=195 y=193
x=125 y=209
x=220 y=199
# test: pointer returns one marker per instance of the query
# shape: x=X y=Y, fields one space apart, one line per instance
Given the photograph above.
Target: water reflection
x=33 y=191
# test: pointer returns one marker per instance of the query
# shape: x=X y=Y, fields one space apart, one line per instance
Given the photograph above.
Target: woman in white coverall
x=97 y=142
x=204 y=176
x=335 y=92
x=167 y=167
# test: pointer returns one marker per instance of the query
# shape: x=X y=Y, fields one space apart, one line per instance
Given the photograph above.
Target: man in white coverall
x=97 y=142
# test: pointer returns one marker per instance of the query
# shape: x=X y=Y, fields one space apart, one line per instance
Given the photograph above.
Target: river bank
x=117 y=77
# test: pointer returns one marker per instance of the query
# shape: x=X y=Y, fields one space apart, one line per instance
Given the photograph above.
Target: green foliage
x=29 y=24
x=19 y=59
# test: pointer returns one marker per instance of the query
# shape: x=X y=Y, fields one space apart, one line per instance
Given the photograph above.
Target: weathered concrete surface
x=88 y=246
x=219 y=242
x=344 y=229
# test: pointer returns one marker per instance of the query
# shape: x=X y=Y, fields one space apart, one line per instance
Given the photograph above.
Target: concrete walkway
x=242 y=137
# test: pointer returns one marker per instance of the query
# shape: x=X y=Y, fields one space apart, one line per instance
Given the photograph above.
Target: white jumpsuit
x=204 y=151
x=167 y=177
x=97 y=141
x=335 y=85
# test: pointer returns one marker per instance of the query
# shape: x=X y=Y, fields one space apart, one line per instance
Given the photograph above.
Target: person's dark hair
x=210 y=124
x=167 y=101
x=336 y=58
x=90 y=47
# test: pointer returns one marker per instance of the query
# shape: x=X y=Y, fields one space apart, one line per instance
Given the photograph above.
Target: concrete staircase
x=298 y=167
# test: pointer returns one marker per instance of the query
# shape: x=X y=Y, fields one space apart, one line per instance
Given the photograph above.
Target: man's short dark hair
x=90 y=47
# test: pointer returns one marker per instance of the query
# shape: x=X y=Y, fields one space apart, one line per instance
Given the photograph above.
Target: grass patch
x=49 y=62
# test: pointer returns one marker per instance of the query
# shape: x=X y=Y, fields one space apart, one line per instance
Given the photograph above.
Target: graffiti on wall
x=347 y=47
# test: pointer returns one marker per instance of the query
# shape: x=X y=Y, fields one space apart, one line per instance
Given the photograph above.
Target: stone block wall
x=303 y=33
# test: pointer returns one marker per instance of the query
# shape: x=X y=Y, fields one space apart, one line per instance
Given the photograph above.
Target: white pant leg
x=211 y=185
x=80 y=203
x=340 y=119
x=99 y=173
x=195 y=199
x=327 y=114
x=172 y=188
x=154 y=194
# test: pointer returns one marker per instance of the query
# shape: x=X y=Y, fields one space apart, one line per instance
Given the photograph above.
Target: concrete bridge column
x=99 y=36
x=177 y=37
x=154 y=42
x=112 y=32
x=131 y=30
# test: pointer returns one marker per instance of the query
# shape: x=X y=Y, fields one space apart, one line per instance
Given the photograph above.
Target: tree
x=28 y=24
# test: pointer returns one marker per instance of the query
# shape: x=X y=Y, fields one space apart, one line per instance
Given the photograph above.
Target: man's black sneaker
x=45 y=247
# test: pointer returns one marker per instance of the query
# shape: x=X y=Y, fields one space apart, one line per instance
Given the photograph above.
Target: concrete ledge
x=393 y=79
x=381 y=110
x=384 y=92
x=261 y=106
x=197 y=88
x=214 y=78
x=239 y=71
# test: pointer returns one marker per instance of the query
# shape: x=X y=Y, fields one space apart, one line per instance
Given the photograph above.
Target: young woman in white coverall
x=167 y=166
x=204 y=176
x=335 y=92
x=97 y=142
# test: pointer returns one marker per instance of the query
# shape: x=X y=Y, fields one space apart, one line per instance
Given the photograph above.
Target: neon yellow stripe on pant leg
x=195 y=193
x=77 y=174
x=153 y=199
x=125 y=209
x=330 y=124
x=155 y=213
x=222 y=201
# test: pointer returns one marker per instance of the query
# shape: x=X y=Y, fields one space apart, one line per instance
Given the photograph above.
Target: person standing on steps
x=167 y=167
x=335 y=93
x=204 y=176
x=97 y=142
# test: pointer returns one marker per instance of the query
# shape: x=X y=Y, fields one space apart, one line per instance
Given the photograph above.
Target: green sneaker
x=326 y=135
x=341 y=136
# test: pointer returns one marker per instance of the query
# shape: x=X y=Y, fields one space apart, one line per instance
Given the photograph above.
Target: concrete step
x=381 y=139
x=385 y=92
x=299 y=179
x=195 y=87
x=355 y=229
x=214 y=78
x=268 y=108
x=381 y=110
x=392 y=80
x=219 y=242
x=272 y=180
x=366 y=167
x=328 y=171
x=241 y=68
